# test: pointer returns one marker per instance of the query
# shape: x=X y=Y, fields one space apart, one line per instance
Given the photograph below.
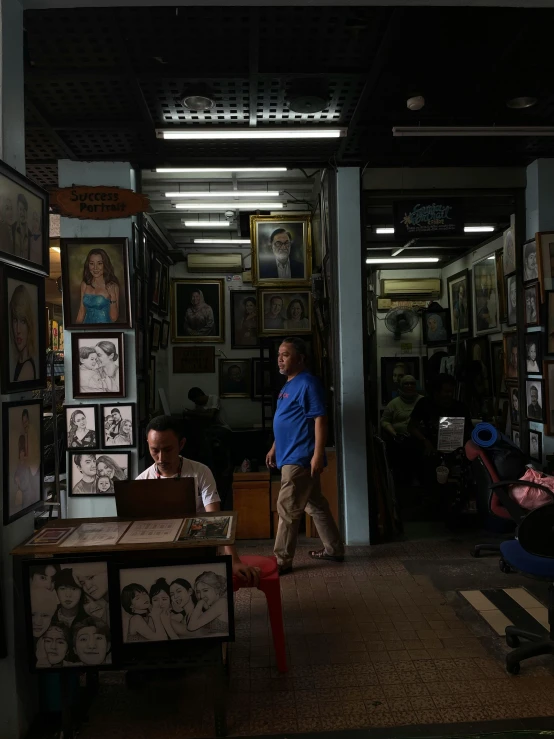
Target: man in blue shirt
x=300 y=430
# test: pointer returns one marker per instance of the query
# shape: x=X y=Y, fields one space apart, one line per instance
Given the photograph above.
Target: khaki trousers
x=301 y=492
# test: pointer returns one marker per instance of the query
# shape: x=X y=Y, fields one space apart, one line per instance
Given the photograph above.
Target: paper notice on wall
x=451 y=433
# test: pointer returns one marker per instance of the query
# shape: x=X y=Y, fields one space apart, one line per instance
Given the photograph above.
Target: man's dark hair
x=100 y=626
x=298 y=344
x=115 y=410
x=279 y=231
x=442 y=380
x=78 y=457
x=166 y=423
x=65 y=578
x=194 y=393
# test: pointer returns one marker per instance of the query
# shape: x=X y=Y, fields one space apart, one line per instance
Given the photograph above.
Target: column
x=118 y=174
x=350 y=391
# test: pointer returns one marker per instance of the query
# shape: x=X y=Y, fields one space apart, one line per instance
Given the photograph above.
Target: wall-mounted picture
x=511 y=300
x=281 y=250
x=532 y=305
x=164 y=338
x=497 y=357
x=118 y=424
x=67 y=614
x=164 y=290
x=509 y=251
x=23 y=458
x=460 y=303
x=510 y=356
x=545 y=241
x=533 y=353
x=516 y=437
x=513 y=394
x=98 y=365
x=197 y=311
x=550 y=322
x=485 y=297
x=244 y=319
x=82 y=427
x=535 y=445
x=286 y=311
x=94 y=473
x=234 y=378
x=22 y=305
x=534 y=395
x=176 y=601
x=24 y=222
x=95 y=274
x=530 y=261
x=155 y=334
x=436 y=329
x=393 y=370
x=261 y=379
x=548 y=373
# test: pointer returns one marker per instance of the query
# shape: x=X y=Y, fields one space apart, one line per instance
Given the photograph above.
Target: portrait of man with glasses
x=277 y=258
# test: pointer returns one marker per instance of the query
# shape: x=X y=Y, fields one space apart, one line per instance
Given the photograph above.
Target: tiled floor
x=371 y=643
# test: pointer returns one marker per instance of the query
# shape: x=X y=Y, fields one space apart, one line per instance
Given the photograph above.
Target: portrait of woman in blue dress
x=99 y=290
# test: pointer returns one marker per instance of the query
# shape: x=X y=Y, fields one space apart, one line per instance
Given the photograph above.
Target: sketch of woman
x=145 y=623
x=106 y=467
x=532 y=364
x=108 y=363
x=160 y=597
x=248 y=328
x=199 y=318
x=212 y=607
x=183 y=602
x=79 y=435
x=296 y=316
x=124 y=437
x=91 y=378
x=99 y=290
x=23 y=334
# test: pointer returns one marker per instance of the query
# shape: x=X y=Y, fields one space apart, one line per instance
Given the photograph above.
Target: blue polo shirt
x=301 y=400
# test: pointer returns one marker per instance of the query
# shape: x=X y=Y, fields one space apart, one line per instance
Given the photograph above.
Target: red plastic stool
x=269 y=585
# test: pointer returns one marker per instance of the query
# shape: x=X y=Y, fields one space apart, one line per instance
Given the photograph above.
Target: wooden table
x=251 y=500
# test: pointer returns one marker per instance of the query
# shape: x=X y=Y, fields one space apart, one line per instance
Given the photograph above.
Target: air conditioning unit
x=419 y=287
x=214 y=262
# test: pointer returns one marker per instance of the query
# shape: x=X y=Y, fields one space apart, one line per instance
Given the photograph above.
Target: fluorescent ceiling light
x=491 y=257
x=228 y=206
x=478 y=229
x=226 y=194
x=221 y=241
x=206 y=224
x=402 y=260
x=252 y=133
x=398 y=251
x=473 y=131
x=191 y=170
x=384 y=230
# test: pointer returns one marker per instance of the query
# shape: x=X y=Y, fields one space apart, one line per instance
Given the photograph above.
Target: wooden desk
x=251 y=501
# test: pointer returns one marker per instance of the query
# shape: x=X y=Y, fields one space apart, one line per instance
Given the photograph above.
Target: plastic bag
x=530 y=497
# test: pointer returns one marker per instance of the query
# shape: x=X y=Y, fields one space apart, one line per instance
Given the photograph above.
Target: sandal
x=322 y=554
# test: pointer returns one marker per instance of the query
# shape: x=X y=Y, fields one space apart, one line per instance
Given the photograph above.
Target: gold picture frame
x=293 y=317
x=194 y=322
x=267 y=271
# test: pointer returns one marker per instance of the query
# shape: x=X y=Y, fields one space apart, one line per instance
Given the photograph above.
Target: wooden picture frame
x=101 y=376
x=511 y=300
x=94 y=470
x=265 y=234
x=459 y=303
x=294 y=316
x=532 y=305
x=118 y=433
x=531 y=261
x=234 y=378
x=485 y=297
x=549 y=321
x=435 y=326
x=198 y=311
x=534 y=445
x=548 y=374
x=511 y=367
x=80 y=434
x=534 y=412
x=509 y=251
x=244 y=319
x=545 y=246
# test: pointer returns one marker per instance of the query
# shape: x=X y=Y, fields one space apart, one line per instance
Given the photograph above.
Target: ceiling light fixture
x=384 y=230
x=416 y=102
x=214 y=170
x=478 y=229
x=398 y=251
x=226 y=194
x=205 y=224
x=198 y=97
x=520 y=103
x=222 y=241
x=228 y=206
x=252 y=133
x=404 y=260
x=473 y=131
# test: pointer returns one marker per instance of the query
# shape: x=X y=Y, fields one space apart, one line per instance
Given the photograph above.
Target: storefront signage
x=97 y=203
x=427 y=218
x=194 y=360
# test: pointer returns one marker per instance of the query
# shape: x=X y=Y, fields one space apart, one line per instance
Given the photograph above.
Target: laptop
x=173 y=498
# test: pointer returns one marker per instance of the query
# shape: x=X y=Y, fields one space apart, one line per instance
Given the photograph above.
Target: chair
x=270 y=587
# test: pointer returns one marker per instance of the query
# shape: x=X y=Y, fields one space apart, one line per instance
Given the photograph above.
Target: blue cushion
x=530 y=564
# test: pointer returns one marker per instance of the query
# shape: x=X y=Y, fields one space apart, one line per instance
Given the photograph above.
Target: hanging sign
x=97 y=203
x=427 y=218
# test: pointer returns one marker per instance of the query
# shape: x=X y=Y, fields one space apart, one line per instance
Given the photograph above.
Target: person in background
x=394 y=424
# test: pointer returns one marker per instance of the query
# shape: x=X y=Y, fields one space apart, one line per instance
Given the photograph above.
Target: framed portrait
x=393 y=370
x=164 y=338
x=533 y=352
x=534 y=398
x=244 y=319
x=95 y=276
x=22 y=305
x=509 y=251
x=532 y=305
x=516 y=437
x=197 y=311
x=498 y=377
x=171 y=602
x=511 y=300
x=548 y=374
x=531 y=261
x=459 y=302
x=164 y=290
x=98 y=365
x=501 y=286
x=24 y=221
x=261 y=379
x=485 y=297
x=545 y=241
x=67 y=613
x=285 y=312
x=23 y=458
x=511 y=371
x=535 y=445
x=436 y=327
x=118 y=424
x=234 y=378
x=155 y=334
x=549 y=321
x=513 y=395
x=82 y=427
x=155 y=281
x=281 y=250
x=94 y=473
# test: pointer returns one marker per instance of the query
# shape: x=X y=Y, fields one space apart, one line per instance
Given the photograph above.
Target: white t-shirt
x=204 y=483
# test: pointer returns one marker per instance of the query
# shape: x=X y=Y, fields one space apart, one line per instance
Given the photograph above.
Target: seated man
x=165 y=442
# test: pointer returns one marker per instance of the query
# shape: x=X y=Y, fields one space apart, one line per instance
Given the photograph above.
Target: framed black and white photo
x=535 y=445
x=485 y=297
x=95 y=275
x=244 y=319
x=82 y=427
x=530 y=261
x=164 y=338
x=281 y=250
x=533 y=353
x=509 y=251
x=67 y=614
x=516 y=437
x=435 y=326
x=197 y=311
x=234 y=378
x=459 y=301
x=118 y=424
x=22 y=305
x=515 y=413
x=22 y=432
x=393 y=370
x=511 y=369
x=534 y=397
x=545 y=247
x=94 y=473
x=532 y=305
x=98 y=365
x=155 y=334
x=24 y=221
x=511 y=300
x=285 y=312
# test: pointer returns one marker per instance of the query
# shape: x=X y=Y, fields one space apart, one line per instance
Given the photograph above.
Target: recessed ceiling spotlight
x=416 y=102
x=308 y=95
x=520 y=103
x=198 y=97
